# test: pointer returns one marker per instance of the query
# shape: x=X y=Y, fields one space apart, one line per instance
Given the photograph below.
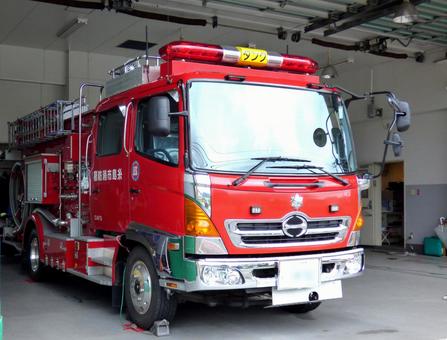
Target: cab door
x=109 y=200
x=156 y=171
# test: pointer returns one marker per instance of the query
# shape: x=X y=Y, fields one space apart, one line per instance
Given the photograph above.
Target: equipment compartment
x=42 y=179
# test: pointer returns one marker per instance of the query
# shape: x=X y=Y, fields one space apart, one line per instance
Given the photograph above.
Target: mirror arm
x=354 y=96
x=180 y=113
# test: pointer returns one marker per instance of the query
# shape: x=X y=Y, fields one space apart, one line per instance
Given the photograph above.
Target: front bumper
x=265 y=272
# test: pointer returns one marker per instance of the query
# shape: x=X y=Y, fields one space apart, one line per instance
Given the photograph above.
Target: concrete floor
x=398 y=297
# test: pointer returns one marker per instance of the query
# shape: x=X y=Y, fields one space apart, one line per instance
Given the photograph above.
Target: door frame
x=404 y=217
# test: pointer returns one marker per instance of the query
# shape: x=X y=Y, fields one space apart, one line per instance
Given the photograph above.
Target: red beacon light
x=240 y=56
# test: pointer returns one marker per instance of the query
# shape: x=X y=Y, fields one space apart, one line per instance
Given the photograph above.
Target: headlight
x=222 y=275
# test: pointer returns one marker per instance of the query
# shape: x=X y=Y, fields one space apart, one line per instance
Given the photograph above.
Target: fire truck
x=214 y=174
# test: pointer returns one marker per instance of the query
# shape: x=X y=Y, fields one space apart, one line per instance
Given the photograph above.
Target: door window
x=161 y=149
x=110 y=131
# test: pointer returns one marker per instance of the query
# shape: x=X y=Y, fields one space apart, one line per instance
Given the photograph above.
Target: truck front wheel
x=34 y=266
x=146 y=301
x=302 y=308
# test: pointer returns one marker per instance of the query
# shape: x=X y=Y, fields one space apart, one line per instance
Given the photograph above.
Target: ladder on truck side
x=44 y=124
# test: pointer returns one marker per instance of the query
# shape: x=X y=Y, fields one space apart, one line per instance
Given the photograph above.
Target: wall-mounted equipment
x=372 y=110
x=282 y=33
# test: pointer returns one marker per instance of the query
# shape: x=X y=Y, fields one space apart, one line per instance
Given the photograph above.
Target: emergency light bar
x=242 y=56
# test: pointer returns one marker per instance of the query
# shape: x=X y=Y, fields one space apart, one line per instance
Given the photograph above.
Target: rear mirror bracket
x=401 y=120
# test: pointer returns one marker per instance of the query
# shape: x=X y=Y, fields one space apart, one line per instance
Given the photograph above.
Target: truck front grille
x=271 y=233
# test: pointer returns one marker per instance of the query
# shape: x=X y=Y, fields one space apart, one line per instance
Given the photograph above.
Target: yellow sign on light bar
x=252 y=56
x=246 y=56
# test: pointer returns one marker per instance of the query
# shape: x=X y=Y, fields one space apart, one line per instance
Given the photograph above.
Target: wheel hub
x=34 y=254
x=140 y=287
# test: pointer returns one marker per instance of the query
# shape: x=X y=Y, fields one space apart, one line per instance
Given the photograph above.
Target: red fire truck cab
x=220 y=175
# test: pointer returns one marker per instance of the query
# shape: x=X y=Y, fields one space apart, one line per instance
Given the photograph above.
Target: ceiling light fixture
x=71 y=27
x=329 y=72
x=406 y=13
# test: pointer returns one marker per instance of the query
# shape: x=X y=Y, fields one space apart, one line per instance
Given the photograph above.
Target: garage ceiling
x=36 y=23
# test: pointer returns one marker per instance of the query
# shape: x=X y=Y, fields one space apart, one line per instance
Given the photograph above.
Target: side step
x=99 y=279
x=105 y=261
x=102 y=255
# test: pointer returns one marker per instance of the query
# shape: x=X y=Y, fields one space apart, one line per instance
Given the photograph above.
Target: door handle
x=95 y=191
x=135 y=191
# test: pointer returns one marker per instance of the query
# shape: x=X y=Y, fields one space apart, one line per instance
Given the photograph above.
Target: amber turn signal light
x=359 y=222
x=197 y=222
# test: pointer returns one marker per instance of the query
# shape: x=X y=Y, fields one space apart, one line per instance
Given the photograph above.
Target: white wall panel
x=424 y=87
x=21 y=63
x=55 y=66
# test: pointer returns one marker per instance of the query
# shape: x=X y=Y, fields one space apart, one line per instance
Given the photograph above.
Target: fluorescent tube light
x=71 y=27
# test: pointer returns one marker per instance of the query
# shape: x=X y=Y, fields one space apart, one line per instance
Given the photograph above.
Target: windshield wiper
x=311 y=167
x=263 y=160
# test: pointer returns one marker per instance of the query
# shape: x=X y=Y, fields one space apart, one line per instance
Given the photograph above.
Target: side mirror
x=158 y=116
x=403 y=119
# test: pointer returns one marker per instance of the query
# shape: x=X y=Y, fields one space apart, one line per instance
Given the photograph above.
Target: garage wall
x=89 y=67
x=424 y=86
x=30 y=78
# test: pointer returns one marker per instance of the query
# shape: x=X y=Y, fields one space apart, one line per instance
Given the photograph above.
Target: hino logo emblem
x=296 y=201
x=294 y=226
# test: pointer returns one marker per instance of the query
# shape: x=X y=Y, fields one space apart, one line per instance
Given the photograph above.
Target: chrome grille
x=270 y=233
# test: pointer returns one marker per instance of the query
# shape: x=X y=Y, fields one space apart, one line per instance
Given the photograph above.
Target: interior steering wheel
x=165 y=156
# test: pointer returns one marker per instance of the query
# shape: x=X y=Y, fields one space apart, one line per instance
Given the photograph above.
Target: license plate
x=326 y=291
x=252 y=56
x=298 y=274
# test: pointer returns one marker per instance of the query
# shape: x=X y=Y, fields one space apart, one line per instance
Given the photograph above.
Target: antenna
x=147 y=48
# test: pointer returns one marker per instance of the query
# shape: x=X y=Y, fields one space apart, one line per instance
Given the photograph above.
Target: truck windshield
x=231 y=124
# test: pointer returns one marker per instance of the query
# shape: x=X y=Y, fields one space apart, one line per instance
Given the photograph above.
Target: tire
x=34 y=266
x=302 y=308
x=146 y=301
